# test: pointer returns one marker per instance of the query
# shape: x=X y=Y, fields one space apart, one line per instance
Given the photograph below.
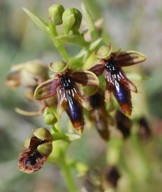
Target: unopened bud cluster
x=70 y=18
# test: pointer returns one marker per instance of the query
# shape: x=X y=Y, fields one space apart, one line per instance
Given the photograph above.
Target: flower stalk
x=81 y=85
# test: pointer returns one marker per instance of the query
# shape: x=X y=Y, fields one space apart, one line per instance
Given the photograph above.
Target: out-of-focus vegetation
x=129 y=25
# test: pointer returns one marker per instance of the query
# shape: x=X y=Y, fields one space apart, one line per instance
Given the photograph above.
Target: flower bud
x=71 y=20
x=55 y=14
x=37 y=68
x=49 y=116
x=28 y=74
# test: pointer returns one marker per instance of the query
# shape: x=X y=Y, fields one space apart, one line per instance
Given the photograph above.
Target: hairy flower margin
x=110 y=65
x=64 y=83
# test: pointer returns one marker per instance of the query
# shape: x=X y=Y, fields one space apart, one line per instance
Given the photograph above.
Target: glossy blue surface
x=74 y=110
x=121 y=93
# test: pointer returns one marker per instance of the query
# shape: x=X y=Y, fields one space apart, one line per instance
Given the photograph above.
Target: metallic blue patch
x=120 y=93
x=74 y=110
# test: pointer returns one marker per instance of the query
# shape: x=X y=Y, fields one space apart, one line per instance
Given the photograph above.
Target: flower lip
x=32 y=159
x=110 y=65
x=75 y=112
x=69 y=98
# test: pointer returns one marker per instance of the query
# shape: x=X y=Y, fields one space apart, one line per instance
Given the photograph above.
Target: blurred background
x=128 y=24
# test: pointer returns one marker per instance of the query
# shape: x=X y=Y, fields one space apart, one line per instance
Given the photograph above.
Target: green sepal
x=27 y=142
x=42 y=134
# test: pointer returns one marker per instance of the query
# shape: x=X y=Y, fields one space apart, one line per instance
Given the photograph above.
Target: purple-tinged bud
x=49 y=117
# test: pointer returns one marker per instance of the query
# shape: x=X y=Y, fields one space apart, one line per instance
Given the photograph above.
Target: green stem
x=67 y=175
x=58 y=154
x=139 y=149
x=57 y=43
x=115 y=146
x=128 y=171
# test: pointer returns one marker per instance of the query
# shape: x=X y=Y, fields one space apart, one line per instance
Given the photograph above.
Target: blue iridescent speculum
x=66 y=82
x=75 y=112
x=111 y=65
x=120 y=93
